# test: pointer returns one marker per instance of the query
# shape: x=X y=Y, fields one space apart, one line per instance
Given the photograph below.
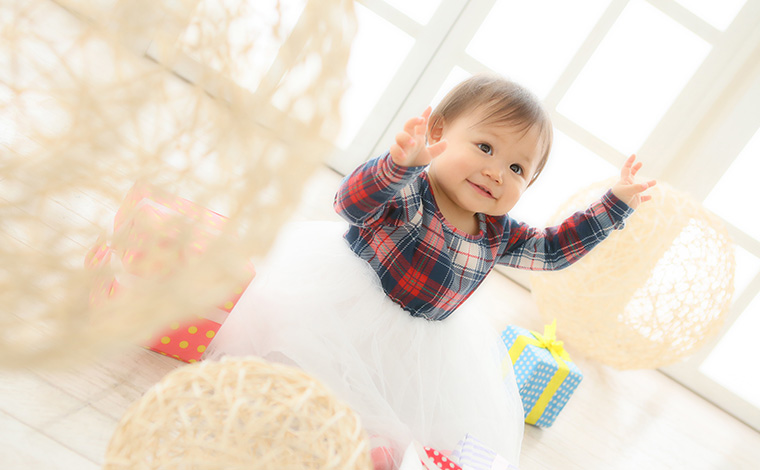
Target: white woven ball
x=241 y=413
x=650 y=294
x=230 y=105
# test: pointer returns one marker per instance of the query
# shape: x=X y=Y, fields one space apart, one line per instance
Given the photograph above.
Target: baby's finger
x=421 y=127
x=412 y=123
x=645 y=198
x=397 y=154
x=625 y=171
x=437 y=148
x=635 y=168
x=641 y=187
x=404 y=140
x=420 y=130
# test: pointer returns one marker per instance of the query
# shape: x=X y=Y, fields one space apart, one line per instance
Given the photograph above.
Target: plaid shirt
x=429 y=267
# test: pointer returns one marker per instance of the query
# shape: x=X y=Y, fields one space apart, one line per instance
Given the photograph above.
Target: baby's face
x=485 y=167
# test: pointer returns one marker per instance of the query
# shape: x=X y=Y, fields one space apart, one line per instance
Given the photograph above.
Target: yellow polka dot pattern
x=182 y=341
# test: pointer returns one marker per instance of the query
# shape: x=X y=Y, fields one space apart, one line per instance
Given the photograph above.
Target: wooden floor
x=618 y=420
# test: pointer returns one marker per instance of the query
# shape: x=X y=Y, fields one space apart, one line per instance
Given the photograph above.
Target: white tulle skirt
x=316 y=305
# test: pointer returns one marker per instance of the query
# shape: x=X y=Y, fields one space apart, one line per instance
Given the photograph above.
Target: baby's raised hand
x=411 y=147
x=627 y=189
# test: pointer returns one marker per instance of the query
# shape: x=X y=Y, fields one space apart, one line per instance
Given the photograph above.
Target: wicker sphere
x=649 y=295
x=241 y=413
x=230 y=105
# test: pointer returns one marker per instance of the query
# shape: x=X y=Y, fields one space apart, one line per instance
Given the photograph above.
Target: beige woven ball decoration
x=241 y=413
x=230 y=105
x=650 y=294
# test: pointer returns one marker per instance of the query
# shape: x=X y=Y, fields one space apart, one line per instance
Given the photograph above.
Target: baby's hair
x=505 y=102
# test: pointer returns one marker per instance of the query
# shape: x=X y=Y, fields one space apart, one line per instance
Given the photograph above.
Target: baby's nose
x=494 y=174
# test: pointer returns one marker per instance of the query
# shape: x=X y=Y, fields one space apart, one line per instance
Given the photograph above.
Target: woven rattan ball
x=649 y=295
x=230 y=105
x=241 y=413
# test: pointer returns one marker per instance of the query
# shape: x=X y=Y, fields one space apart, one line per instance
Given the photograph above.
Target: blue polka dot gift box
x=546 y=377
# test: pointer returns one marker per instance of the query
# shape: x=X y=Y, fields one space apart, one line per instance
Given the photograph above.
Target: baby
x=375 y=309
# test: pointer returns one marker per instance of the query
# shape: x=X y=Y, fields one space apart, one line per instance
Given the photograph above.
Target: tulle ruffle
x=316 y=305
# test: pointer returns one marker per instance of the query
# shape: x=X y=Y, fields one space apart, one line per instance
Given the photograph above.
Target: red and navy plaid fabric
x=429 y=267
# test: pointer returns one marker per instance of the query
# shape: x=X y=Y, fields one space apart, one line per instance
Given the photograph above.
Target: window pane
x=254 y=31
x=747 y=267
x=378 y=50
x=570 y=168
x=634 y=76
x=419 y=10
x=457 y=75
x=532 y=42
x=719 y=14
x=726 y=197
x=732 y=362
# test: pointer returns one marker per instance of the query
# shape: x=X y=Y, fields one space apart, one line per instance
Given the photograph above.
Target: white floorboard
x=26 y=448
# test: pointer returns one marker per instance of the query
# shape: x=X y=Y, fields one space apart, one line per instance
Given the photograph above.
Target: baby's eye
x=485 y=148
x=516 y=168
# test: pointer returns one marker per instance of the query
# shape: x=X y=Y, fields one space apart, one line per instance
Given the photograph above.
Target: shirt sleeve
x=558 y=247
x=379 y=192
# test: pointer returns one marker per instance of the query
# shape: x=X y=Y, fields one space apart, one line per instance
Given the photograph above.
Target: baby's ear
x=435 y=133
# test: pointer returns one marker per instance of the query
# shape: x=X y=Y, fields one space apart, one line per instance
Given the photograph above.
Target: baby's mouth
x=482 y=189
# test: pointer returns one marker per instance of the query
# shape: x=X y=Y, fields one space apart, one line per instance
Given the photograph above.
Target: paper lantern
x=241 y=413
x=230 y=105
x=650 y=294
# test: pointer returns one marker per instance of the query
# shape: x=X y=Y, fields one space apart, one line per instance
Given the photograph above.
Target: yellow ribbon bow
x=549 y=342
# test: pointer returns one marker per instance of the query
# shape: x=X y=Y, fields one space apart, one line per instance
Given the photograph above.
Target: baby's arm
x=379 y=192
x=558 y=247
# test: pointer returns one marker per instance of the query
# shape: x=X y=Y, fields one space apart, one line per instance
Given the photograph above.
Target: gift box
x=187 y=340
x=418 y=457
x=472 y=454
x=546 y=377
x=149 y=222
